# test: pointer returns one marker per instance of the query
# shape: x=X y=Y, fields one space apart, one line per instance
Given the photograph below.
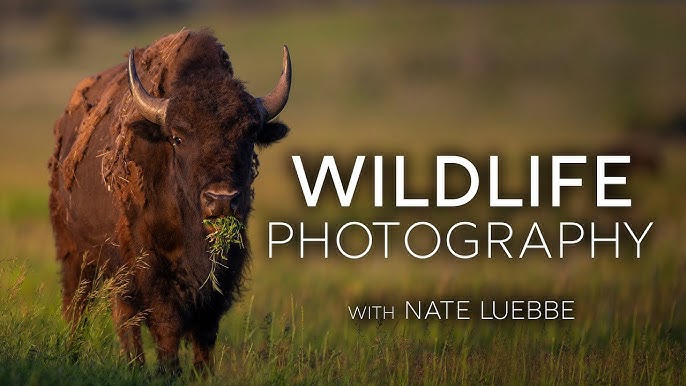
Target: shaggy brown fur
x=121 y=191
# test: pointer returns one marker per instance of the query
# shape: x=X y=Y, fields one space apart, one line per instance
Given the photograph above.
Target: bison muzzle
x=139 y=163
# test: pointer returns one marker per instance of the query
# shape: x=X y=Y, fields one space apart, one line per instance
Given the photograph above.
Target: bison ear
x=148 y=131
x=270 y=133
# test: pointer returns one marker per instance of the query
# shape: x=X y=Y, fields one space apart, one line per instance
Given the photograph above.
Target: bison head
x=211 y=126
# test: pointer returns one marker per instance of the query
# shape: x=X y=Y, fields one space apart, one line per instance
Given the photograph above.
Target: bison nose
x=219 y=202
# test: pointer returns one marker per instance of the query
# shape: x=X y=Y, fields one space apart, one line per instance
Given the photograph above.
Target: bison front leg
x=77 y=281
x=204 y=337
x=129 y=331
x=166 y=331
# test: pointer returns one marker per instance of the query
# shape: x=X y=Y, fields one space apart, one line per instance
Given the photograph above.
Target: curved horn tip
x=132 y=60
x=153 y=109
x=271 y=104
x=286 y=62
x=131 y=68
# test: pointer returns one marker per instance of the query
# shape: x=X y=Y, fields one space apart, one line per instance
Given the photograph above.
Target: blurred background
x=375 y=77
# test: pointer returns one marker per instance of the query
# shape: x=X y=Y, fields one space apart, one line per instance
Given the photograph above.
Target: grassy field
x=470 y=80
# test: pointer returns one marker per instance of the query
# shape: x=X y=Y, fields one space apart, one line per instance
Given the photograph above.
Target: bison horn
x=271 y=104
x=153 y=109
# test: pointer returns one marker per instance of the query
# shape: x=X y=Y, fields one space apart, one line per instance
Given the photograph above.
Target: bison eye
x=176 y=141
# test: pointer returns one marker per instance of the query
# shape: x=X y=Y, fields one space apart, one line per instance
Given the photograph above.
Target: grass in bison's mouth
x=226 y=231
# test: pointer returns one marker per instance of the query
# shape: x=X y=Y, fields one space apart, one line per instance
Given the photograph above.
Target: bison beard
x=138 y=165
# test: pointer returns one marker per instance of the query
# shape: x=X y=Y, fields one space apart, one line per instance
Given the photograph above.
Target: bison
x=138 y=164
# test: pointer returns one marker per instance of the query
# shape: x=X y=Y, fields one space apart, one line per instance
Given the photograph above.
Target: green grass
x=226 y=232
x=294 y=342
x=373 y=80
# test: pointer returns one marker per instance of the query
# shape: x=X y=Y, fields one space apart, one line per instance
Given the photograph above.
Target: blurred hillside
x=477 y=79
x=138 y=10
